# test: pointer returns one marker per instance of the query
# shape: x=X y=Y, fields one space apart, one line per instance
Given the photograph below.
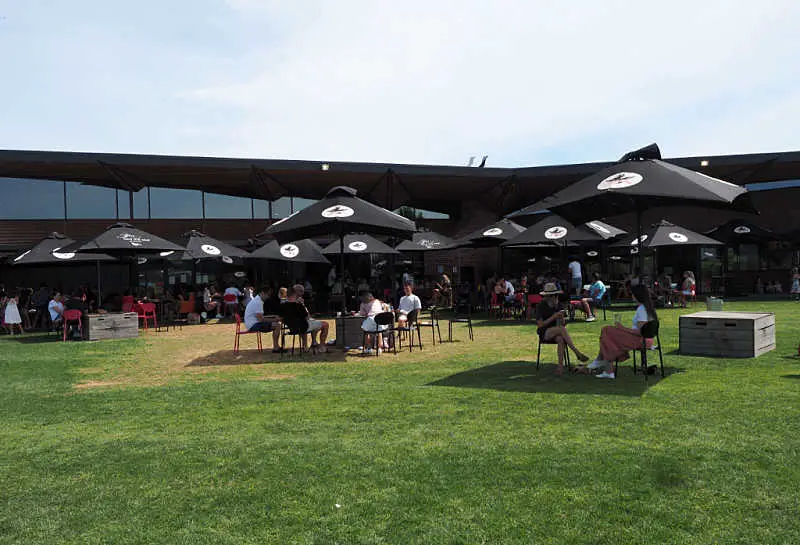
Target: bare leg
x=561 y=354
x=276 y=335
x=586 y=308
x=561 y=332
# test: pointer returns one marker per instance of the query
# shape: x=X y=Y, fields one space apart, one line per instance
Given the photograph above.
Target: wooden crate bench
x=121 y=325
x=727 y=334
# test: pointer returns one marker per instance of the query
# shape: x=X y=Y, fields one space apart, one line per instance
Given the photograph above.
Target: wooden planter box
x=727 y=334
x=123 y=325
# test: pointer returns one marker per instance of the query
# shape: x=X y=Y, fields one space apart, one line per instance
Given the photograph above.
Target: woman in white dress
x=12 y=316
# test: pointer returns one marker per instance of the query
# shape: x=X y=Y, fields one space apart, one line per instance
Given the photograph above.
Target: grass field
x=171 y=439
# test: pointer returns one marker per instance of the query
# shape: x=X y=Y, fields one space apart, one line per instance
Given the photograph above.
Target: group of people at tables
x=264 y=313
x=24 y=309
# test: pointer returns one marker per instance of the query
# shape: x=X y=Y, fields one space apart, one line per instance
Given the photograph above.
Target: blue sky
x=526 y=82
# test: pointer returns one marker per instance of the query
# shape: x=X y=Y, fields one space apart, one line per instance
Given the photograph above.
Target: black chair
x=433 y=323
x=295 y=323
x=385 y=319
x=462 y=314
x=539 y=352
x=409 y=328
x=648 y=331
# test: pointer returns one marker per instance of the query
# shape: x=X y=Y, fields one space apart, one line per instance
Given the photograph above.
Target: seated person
x=409 y=302
x=549 y=320
x=617 y=340
x=233 y=305
x=507 y=290
x=261 y=315
x=210 y=304
x=594 y=297
x=56 y=308
x=76 y=302
x=295 y=295
x=371 y=307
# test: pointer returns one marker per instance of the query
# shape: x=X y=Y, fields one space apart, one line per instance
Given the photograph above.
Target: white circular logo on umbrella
x=357 y=246
x=338 y=211
x=289 y=251
x=620 y=180
x=615 y=258
x=634 y=250
x=141 y=260
x=429 y=244
x=210 y=250
x=62 y=255
x=22 y=255
x=493 y=232
x=636 y=241
x=166 y=254
x=679 y=237
x=133 y=239
x=741 y=230
x=226 y=259
x=598 y=227
x=592 y=253
x=556 y=233
x=240 y=274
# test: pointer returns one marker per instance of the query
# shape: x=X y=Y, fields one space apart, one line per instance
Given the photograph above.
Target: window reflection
x=141 y=206
x=175 y=203
x=227 y=207
x=281 y=208
x=298 y=203
x=260 y=209
x=90 y=202
x=31 y=199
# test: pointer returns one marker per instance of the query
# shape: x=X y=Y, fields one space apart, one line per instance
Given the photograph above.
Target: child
x=12 y=316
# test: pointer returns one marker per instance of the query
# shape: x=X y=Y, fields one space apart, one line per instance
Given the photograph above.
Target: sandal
x=582 y=357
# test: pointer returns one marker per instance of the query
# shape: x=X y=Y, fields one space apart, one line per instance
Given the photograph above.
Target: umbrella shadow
x=522 y=376
x=795 y=377
x=226 y=358
x=37 y=338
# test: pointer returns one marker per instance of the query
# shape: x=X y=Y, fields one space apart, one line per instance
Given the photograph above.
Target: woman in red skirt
x=617 y=340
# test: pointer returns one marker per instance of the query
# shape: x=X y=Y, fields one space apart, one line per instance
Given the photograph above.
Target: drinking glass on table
x=617 y=319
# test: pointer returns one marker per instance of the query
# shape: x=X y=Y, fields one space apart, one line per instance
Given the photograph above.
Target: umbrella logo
x=141 y=260
x=741 y=230
x=239 y=274
x=133 y=239
x=166 y=254
x=598 y=227
x=679 y=237
x=22 y=255
x=636 y=241
x=429 y=244
x=620 y=180
x=592 y=253
x=493 y=232
x=338 y=211
x=556 y=233
x=357 y=246
x=62 y=255
x=210 y=250
x=289 y=251
x=226 y=259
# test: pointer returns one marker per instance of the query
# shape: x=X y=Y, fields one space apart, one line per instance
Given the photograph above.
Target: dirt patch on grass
x=97 y=384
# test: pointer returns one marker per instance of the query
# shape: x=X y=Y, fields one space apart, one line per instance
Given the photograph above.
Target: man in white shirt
x=508 y=289
x=576 y=282
x=257 y=319
x=408 y=303
x=56 y=308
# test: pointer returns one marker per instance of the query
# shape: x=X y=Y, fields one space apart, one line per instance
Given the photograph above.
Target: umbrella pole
x=341 y=271
x=639 y=245
x=99 y=287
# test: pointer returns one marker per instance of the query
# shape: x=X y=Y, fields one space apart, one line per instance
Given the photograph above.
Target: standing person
x=12 y=316
x=259 y=315
x=576 y=281
x=687 y=286
x=233 y=304
x=795 y=289
x=549 y=324
x=40 y=302
x=314 y=326
x=210 y=306
x=617 y=340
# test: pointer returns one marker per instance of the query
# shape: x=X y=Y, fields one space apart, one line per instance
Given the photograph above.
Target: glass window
x=90 y=202
x=123 y=204
x=281 y=208
x=418 y=213
x=261 y=209
x=175 y=203
x=141 y=204
x=298 y=203
x=31 y=199
x=225 y=206
x=748 y=257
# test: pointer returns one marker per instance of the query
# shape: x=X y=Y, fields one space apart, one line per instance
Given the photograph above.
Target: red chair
x=127 y=303
x=146 y=311
x=495 y=308
x=240 y=332
x=230 y=301
x=533 y=300
x=72 y=316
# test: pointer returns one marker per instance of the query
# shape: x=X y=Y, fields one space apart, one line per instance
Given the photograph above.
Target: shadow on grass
x=225 y=358
x=796 y=377
x=522 y=376
x=34 y=338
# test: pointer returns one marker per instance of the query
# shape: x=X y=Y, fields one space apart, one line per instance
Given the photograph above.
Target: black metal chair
x=383 y=319
x=409 y=328
x=648 y=331
x=433 y=323
x=462 y=314
x=295 y=323
x=539 y=352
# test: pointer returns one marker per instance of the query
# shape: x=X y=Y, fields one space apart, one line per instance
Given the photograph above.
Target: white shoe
x=606 y=374
x=380 y=351
x=591 y=319
x=597 y=364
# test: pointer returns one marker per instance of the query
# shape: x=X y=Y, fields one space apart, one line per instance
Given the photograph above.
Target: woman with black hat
x=550 y=325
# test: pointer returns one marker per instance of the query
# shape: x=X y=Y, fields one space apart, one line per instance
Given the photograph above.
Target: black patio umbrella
x=605 y=230
x=742 y=232
x=359 y=244
x=553 y=229
x=340 y=213
x=426 y=241
x=641 y=181
x=300 y=251
x=124 y=240
x=665 y=233
x=201 y=246
x=491 y=236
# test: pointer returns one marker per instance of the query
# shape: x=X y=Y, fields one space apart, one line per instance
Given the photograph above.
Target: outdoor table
x=348 y=331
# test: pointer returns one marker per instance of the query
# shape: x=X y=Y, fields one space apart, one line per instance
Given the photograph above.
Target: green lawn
x=463 y=444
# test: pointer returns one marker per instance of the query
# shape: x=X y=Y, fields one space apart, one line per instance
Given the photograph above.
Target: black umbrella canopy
x=491 y=236
x=339 y=213
x=47 y=251
x=553 y=229
x=665 y=233
x=122 y=239
x=605 y=230
x=739 y=231
x=300 y=251
x=641 y=181
x=426 y=241
x=359 y=244
x=201 y=246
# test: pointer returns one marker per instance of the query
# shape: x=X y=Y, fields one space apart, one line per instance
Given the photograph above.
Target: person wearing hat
x=549 y=323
